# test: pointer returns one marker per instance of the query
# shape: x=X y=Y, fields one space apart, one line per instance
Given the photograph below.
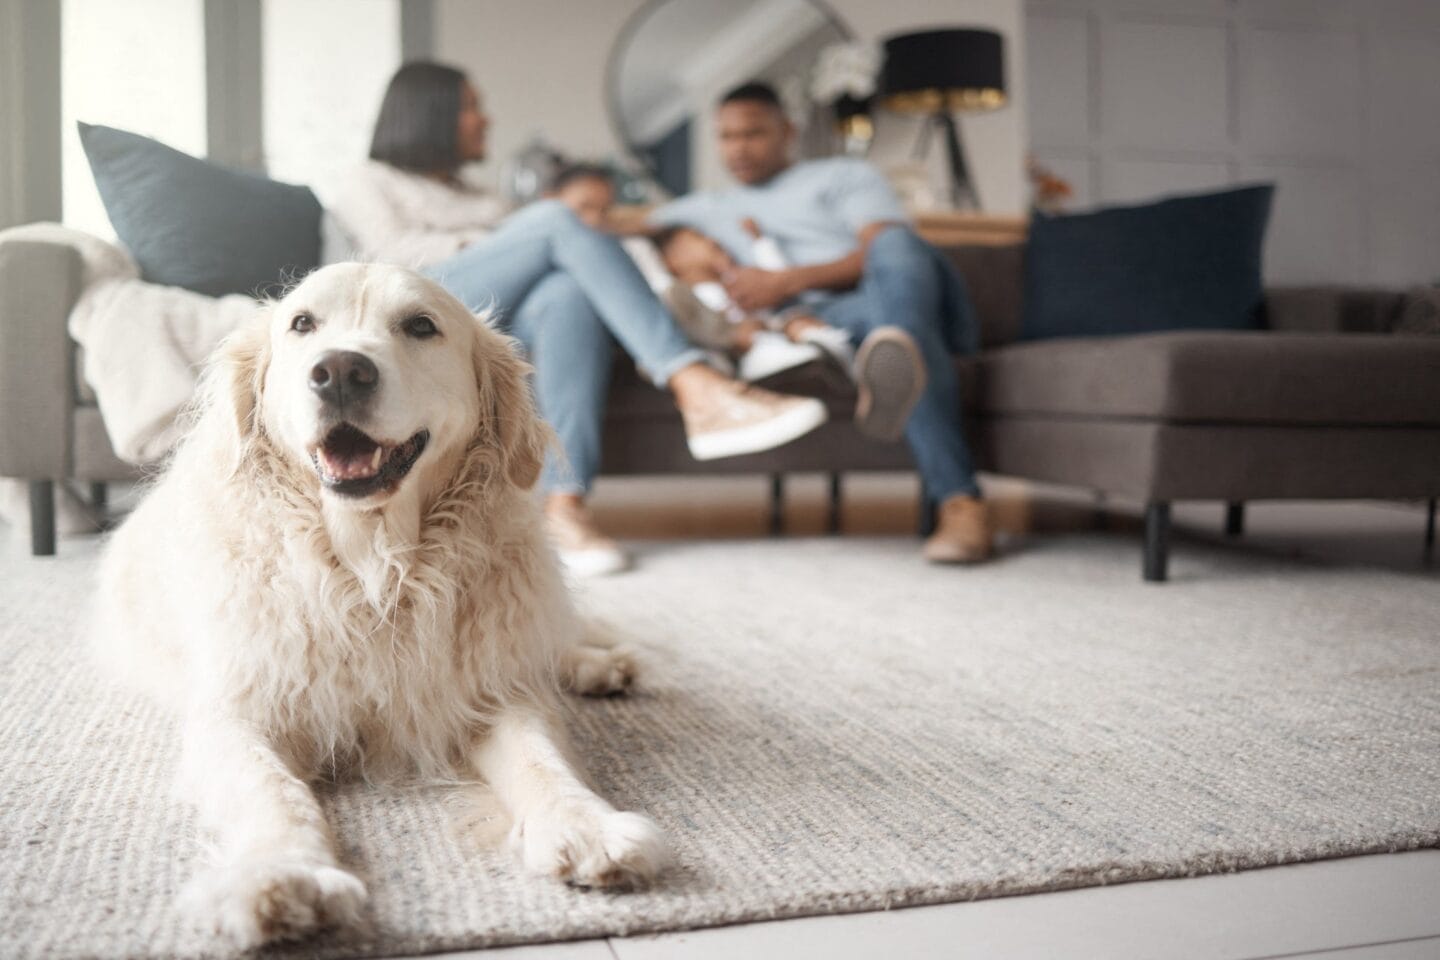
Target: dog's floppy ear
x=229 y=393
x=507 y=411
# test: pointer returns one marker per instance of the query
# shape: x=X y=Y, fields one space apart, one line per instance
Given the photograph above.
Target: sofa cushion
x=192 y=224
x=1208 y=377
x=1186 y=263
x=1420 y=311
x=994 y=277
x=1333 y=309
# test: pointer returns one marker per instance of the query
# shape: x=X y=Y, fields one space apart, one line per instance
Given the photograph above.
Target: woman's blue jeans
x=568 y=293
x=907 y=283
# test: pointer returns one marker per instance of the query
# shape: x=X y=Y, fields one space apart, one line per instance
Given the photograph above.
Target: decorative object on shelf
x=939 y=73
x=1049 y=193
x=632 y=184
x=853 y=123
x=529 y=171
x=845 y=79
x=915 y=187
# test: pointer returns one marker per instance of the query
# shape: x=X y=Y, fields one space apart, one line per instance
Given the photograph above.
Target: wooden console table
x=941 y=229
x=971 y=229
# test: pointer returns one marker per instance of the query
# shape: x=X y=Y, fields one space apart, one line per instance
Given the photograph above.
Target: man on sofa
x=857 y=265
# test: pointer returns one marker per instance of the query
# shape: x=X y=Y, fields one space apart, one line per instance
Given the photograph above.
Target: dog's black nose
x=344 y=378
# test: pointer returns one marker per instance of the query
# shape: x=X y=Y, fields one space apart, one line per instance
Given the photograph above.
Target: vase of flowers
x=844 y=78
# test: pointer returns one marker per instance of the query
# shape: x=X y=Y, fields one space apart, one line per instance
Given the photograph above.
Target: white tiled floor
x=1362 y=908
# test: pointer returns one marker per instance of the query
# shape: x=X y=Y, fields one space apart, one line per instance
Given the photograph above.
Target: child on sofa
x=587 y=189
x=765 y=343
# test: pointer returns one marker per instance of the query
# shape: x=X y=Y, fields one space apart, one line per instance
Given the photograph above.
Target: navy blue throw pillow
x=1186 y=263
x=189 y=223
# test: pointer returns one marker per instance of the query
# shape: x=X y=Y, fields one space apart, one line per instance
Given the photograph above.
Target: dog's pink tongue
x=351 y=464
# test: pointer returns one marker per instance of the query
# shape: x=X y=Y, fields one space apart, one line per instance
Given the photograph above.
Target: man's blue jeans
x=909 y=284
x=565 y=290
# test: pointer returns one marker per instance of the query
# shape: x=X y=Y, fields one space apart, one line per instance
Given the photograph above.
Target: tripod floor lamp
x=939 y=73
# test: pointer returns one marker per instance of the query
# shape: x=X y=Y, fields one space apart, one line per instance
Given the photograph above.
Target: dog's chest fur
x=395 y=665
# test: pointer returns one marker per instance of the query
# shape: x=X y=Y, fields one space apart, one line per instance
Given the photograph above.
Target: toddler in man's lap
x=764 y=342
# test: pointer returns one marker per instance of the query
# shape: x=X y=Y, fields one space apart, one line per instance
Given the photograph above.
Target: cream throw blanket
x=143 y=343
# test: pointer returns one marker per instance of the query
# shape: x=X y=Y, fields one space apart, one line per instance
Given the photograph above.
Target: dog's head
x=375 y=378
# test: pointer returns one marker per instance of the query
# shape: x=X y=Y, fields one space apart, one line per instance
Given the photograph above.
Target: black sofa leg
x=42 y=518
x=832 y=525
x=1234 y=518
x=1100 y=516
x=1157 y=540
x=1430 y=527
x=777 y=504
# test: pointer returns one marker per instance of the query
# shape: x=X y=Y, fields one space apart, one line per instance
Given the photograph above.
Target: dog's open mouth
x=353 y=464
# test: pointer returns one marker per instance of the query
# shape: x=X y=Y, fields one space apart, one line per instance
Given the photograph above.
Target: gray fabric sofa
x=1327 y=402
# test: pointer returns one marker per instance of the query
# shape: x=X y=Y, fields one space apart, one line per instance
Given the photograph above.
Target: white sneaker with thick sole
x=582 y=548
x=745 y=419
x=771 y=353
x=833 y=341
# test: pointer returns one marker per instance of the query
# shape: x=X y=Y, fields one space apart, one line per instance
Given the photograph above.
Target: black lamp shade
x=943 y=70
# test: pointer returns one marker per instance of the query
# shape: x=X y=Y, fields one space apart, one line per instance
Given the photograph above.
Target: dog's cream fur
x=422 y=632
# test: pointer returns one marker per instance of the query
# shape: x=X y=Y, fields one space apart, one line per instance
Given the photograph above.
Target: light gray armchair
x=50 y=427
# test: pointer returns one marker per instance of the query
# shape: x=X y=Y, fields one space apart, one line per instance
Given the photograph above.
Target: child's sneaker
x=832 y=340
x=770 y=353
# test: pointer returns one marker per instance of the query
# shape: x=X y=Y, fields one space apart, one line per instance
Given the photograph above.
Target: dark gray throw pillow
x=192 y=224
x=1186 y=263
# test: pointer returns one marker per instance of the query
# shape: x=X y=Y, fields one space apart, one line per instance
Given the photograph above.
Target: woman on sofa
x=565 y=290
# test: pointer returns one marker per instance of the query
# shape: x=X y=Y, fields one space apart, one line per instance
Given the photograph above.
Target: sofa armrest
x=1331 y=309
x=39 y=284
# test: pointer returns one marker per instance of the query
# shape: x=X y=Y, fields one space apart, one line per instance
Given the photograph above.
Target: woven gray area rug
x=826 y=726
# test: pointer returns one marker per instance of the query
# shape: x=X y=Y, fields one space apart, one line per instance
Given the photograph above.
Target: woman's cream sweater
x=400 y=217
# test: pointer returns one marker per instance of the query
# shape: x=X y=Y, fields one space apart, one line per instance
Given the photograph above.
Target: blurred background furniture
x=1327 y=402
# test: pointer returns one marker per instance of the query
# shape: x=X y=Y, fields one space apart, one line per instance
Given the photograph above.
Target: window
x=321 y=99
x=139 y=66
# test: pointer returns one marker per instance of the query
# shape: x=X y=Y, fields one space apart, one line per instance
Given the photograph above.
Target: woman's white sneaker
x=582 y=548
x=737 y=419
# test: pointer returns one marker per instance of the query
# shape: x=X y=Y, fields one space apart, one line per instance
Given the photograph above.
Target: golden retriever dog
x=343 y=573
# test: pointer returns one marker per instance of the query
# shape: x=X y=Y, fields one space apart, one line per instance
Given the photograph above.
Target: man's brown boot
x=962 y=532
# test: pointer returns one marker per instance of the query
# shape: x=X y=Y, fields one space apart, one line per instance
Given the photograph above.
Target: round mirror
x=675 y=58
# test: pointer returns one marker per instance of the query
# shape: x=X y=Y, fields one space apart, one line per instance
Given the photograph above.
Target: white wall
x=541 y=66
x=138 y=66
x=321 y=98
x=1334 y=100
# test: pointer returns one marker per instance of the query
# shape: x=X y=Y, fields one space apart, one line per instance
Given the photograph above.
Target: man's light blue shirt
x=813 y=210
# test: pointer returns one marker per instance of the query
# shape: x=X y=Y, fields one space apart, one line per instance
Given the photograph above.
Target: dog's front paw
x=599 y=671
x=589 y=846
x=255 y=902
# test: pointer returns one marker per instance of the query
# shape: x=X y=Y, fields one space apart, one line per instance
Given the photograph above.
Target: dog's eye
x=303 y=323
x=421 y=327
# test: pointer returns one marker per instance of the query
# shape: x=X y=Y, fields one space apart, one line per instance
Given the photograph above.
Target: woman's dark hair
x=418 y=118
